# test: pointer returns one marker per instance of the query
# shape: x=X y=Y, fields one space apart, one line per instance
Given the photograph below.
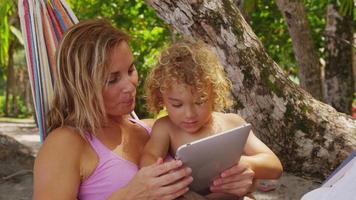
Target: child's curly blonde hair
x=191 y=63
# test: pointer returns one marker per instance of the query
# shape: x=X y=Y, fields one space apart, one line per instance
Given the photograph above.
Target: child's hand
x=237 y=180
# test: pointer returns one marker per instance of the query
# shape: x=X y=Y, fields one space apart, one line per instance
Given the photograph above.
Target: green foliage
x=6 y=7
x=316 y=13
x=269 y=25
x=2 y=105
x=346 y=7
x=149 y=33
x=22 y=112
x=249 y=5
x=17 y=33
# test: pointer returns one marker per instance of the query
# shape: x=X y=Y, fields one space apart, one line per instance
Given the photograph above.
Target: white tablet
x=209 y=156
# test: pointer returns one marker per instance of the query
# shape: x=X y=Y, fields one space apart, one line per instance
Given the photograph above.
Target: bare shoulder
x=232 y=119
x=62 y=141
x=163 y=122
x=59 y=159
x=65 y=135
x=163 y=125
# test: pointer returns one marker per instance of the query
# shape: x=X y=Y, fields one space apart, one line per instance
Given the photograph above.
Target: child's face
x=186 y=109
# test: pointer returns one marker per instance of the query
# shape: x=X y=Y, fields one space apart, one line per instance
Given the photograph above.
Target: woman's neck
x=114 y=120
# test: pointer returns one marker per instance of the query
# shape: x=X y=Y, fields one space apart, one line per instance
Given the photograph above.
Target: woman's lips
x=128 y=101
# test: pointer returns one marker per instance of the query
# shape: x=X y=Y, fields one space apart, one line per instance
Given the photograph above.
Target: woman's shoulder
x=65 y=134
x=63 y=140
x=59 y=159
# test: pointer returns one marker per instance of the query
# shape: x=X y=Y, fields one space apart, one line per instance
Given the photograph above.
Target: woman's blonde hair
x=192 y=63
x=82 y=63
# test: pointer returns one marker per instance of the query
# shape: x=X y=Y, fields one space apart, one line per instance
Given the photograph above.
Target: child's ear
x=160 y=99
x=160 y=103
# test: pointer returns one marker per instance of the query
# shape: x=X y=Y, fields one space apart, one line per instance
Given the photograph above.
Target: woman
x=93 y=149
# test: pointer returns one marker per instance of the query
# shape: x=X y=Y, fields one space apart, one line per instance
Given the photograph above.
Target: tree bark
x=338 y=69
x=309 y=136
x=354 y=59
x=303 y=46
x=244 y=12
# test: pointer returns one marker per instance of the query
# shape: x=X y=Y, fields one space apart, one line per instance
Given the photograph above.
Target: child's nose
x=190 y=113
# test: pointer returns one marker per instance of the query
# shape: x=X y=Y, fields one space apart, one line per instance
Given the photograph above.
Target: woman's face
x=119 y=94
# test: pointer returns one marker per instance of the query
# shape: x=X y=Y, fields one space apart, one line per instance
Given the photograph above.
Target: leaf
x=346 y=7
x=249 y=5
x=5 y=11
x=17 y=33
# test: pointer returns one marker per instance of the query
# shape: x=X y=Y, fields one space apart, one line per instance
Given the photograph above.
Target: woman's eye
x=113 y=80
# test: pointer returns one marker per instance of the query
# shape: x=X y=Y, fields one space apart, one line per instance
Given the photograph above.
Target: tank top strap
x=141 y=123
x=98 y=147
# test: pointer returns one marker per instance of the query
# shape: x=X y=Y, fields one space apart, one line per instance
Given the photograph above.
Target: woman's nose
x=130 y=84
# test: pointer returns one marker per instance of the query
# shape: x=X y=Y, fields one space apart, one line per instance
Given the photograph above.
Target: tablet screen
x=209 y=156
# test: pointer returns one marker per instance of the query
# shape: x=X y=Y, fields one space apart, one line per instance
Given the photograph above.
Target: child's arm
x=261 y=159
x=259 y=162
x=157 y=146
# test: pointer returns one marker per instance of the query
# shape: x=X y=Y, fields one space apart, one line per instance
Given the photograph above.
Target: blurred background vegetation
x=149 y=35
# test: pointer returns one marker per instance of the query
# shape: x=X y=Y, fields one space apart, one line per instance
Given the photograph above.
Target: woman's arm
x=162 y=180
x=57 y=166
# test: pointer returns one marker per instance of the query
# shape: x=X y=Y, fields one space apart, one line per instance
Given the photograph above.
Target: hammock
x=43 y=24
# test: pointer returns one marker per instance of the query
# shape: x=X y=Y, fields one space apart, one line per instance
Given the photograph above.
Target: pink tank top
x=112 y=172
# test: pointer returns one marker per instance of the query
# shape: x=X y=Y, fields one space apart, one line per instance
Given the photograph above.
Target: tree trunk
x=15 y=109
x=240 y=4
x=338 y=69
x=309 y=136
x=303 y=46
x=10 y=78
x=354 y=59
x=27 y=93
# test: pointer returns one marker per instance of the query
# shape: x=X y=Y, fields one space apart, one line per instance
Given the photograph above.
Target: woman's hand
x=237 y=180
x=164 y=181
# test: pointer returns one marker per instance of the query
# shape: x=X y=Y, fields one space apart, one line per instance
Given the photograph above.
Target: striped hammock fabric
x=43 y=23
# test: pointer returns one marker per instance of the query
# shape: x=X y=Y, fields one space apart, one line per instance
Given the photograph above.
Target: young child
x=191 y=84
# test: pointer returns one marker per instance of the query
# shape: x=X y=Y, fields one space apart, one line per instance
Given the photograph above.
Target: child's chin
x=191 y=130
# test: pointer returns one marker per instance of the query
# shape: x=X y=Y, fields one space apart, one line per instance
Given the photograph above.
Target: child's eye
x=176 y=105
x=132 y=69
x=200 y=102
